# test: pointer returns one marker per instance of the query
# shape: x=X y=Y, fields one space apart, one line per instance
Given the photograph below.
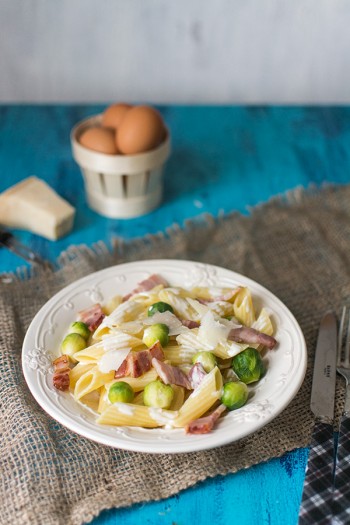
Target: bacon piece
x=62 y=366
x=251 y=336
x=203 y=425
x=157 y=351
x=123 y=370
x=196 y=375
x=92 y=316
x=138 y=363
x=61 y=381
x=146 y=285
x=171 y=375
x=190 y=324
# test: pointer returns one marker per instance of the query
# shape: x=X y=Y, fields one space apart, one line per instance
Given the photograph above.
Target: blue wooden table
x=224 y=159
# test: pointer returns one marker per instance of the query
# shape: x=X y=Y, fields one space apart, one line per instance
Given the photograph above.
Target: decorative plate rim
x=36 y=361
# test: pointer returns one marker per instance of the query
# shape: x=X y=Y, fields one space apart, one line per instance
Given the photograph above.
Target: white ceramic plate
x=286 y=364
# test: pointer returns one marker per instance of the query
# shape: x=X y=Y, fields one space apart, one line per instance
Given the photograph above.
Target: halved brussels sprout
x=206 y=359
x=248 y=365
x=156 y=332
x=120 y=392
x=159 y=307
x=235 y=394
x=78 y=327
x=157 y=394
x=72 y=343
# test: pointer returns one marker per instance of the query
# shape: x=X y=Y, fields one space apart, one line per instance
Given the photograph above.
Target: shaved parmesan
x=212 y=332
x=112 y=360
x=169 y=319
x=200 y=308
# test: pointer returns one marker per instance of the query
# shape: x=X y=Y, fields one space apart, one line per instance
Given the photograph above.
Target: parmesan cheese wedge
x=32 y=205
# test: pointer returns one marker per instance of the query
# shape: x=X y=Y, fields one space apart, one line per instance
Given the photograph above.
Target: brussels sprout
x=206 y=359
x=157 y=394
x=159 y=307
x=248 y=365
x=156 y=332
x=72 y=343
x=80 y=328
x=235 y=395
x=120 y=392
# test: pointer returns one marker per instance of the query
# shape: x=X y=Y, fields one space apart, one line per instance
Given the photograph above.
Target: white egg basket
x=120 y=186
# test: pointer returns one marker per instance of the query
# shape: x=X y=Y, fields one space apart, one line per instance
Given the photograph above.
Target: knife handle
x=316 y=504
x=341 y=496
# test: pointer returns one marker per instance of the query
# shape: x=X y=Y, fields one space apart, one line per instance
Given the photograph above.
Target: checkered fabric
x=341 y=496
x=316 y=504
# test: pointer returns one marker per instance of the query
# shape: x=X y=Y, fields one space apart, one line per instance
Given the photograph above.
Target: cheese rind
x=33 y=205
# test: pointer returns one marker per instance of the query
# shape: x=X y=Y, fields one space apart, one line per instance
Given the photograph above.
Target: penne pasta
x=90 y=381
x=243 y=307
x=201 y=399
x=128 y=414
x=139 y=383
x=77 y=372
x=117 y=341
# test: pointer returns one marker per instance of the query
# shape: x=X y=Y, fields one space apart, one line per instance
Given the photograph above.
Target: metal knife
x=316 y=504
x=7 y=240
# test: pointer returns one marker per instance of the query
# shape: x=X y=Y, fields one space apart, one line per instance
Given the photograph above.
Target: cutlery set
x=326 y=494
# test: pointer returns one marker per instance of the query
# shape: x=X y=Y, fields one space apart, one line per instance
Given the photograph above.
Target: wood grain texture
x=227 y=51
x=224 y=159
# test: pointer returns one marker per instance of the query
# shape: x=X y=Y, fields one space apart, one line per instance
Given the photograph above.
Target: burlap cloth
x=298 y=246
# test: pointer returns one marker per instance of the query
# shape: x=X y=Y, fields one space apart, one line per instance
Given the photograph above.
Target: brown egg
x=114 y=114
x=142 y=129
x=99 y=139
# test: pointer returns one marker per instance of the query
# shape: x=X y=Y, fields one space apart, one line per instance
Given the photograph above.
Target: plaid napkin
x=341 y=497
x=316 y=504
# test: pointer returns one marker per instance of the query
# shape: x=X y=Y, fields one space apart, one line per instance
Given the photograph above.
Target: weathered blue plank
x=224 y=159
x=265 y=494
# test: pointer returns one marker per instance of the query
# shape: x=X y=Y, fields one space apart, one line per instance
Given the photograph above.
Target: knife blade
x=324 y=375
x=316 y=504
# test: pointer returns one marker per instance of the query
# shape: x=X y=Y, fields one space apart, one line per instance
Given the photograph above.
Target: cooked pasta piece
x=148 y=298
x=112 y=304
x=91 y=400
x=91 y=380
x=263 y=323
x=179 y=355
x=119 y=340
x=179 y=397
x=201 y=399
x=221 y=308
x=132 y=415
x=77 y=372
x=243 y=307
x=127 y=311
x=139 y=383
x=180 y=304
x=138 y=399
x=103 y=401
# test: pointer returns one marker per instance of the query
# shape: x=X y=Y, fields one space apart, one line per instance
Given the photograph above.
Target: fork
x=341 y=494
x=8 y=240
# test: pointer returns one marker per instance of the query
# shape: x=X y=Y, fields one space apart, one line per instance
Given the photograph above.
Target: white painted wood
x=185 y=51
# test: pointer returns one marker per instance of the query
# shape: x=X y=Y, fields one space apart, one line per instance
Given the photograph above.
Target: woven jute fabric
x=298 y=246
